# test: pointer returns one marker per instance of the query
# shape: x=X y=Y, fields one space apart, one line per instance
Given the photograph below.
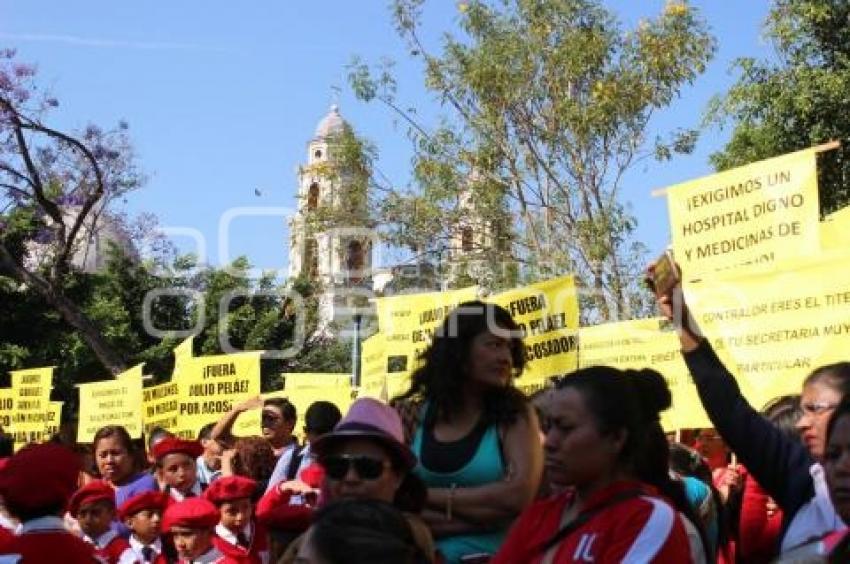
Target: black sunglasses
x=367 y=467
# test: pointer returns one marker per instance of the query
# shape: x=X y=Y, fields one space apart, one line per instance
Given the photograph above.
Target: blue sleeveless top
x=485 y=466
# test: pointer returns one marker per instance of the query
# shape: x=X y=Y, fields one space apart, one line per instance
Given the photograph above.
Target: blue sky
x=222 y=97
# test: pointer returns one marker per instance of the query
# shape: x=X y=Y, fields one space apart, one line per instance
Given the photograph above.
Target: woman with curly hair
x=250 y=457
x=474 y=433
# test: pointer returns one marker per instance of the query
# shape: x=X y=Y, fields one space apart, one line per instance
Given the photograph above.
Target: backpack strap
x=294 y=462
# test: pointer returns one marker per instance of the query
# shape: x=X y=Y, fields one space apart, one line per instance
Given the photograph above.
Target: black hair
x=206 y=431
x=784 y=412
x=155 y=434
x=631 y=401
x=686 y=461
x=24 y=514
x=287 y=409
x=321 y=417
x=836 y=376
x=364 y=531
x=441 y=377
x=840 y=411
x=114 y=431
x=7 y=445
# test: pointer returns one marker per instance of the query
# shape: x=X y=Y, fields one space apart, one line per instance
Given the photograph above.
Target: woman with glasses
x=474 y=433
x=789 y=470
x=365 y=458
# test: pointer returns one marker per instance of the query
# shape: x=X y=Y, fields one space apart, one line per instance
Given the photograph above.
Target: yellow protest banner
x=642 y=343
x=373 y=368
x=547 y=312
x=408 y=321
x=764 y=212
x=302 y=389
x=111 y=402
x=6 y=406
x=209 y=387
x=835 y=230
x=773 y=327
x=30 y=403
x=54 y=420
x=160 y=407
x=182 y=353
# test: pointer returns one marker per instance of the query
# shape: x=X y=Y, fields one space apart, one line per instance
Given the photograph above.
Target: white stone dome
x=332 y=123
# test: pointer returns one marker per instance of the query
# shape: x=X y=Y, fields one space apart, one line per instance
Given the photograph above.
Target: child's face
x=236 y=514
x=95 y=518
x=145 y=525
x=191 y=543
x=178 y=471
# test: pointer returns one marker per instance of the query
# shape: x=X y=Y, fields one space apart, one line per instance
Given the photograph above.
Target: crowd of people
x=461 y=468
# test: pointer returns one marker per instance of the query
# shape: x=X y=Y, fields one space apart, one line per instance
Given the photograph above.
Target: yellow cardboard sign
x=31 y=403
x=304 y=389
x=7 y=404
x=547 y=312
x=773 y=327
x=764 y=212
x=209 y=387
x=642 y=343
x=373 y=368
x=161 y=407
x=408 y=321
x=111 y=402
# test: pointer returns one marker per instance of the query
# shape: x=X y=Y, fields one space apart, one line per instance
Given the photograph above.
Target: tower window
x=313 y=196
x=466 y=239
x=318 y=154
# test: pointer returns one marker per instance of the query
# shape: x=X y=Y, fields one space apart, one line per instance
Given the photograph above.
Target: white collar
x=102 y=540
x=212 y=555
x=138 y=545
x=227 y=535
x=179 y=496
x=43 y=524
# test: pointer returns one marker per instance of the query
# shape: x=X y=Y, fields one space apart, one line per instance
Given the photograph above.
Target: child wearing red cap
x=142 y=514
x=175 y=462
x=191 y=525
x=93 y=506
x=35 y=485
x=238 y=535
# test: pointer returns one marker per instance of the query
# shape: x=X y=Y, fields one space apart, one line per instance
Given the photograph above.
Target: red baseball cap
x=192 y=513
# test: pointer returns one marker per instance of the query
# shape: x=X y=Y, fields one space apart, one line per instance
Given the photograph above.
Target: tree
x=796 y=99
x=54 y=188
x=547 y=105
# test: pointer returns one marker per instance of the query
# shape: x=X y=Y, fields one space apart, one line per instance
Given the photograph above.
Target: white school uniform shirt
x=195 y=489
x=102 y=540
x=248 y=530
x=816 y=517
x=134 y=554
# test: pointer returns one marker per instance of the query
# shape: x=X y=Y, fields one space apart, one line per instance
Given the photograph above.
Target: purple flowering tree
x=54 y=187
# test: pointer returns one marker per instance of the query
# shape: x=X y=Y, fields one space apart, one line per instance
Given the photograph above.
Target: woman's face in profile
x=490 y=361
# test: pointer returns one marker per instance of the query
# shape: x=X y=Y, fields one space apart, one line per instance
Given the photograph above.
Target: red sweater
x=758 y=533
x=643 y=528
x=49 y=545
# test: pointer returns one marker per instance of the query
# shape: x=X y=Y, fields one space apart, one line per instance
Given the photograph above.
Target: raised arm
x=222 y=432
x=779 y=463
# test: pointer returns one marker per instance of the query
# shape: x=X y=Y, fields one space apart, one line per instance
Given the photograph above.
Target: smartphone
x=665 y=274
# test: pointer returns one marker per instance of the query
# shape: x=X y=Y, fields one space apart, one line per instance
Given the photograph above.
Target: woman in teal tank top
x=473 y=432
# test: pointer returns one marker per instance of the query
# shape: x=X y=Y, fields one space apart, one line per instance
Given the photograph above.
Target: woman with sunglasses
x=789 y=470
x=474 y=433
x=365 y=458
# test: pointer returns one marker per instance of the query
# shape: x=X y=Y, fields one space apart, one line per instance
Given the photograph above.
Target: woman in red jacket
x=604 y=444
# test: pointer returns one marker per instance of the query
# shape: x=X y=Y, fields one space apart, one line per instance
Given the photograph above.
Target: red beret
x=39 y=476
x=141 y=502
x=90 y=493
x=192 y=513
x=228 y=488
x=171 y=445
